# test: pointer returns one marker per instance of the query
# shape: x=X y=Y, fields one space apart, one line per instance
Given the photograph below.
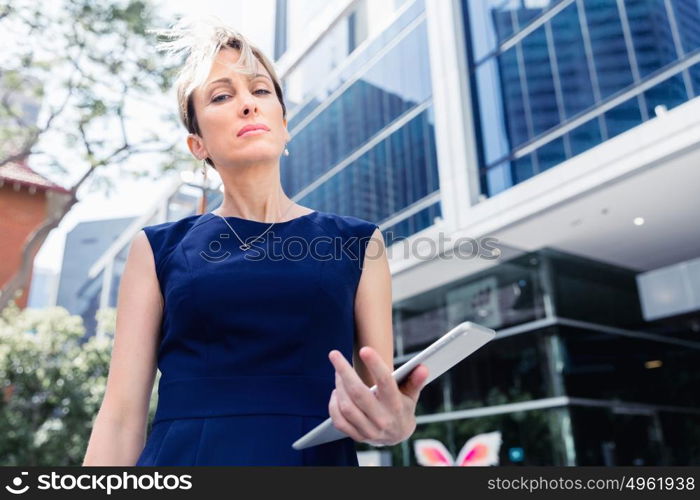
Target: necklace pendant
x=244 y=246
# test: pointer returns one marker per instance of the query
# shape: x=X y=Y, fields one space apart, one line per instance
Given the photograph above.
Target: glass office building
x=575 y=375
x=569 y=379
x=361 y=118
x=555 y=78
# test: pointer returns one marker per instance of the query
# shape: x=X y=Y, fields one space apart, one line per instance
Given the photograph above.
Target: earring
x=286 y=151
x=204 y=168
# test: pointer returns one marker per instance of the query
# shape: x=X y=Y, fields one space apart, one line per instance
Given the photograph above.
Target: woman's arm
x=373 y=325
x=119 y=430
x=386 y=417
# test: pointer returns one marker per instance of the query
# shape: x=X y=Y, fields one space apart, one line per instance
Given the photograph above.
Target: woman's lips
x=256 y=131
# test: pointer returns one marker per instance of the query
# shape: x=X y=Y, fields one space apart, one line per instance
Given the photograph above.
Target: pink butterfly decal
x=480 y=450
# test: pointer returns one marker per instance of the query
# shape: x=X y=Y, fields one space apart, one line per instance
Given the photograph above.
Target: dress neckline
x=260 y=223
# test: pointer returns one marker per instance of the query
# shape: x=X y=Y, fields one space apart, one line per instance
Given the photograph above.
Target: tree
x=52 y=386
x=88 y=63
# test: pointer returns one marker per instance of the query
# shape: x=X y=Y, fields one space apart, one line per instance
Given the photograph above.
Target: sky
x=255 y=19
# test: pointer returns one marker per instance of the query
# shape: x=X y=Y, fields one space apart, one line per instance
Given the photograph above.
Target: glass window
x=364 y=109
x=522 y=169
x=623 y=117
x=669 y=93
x=517 y=115
x=565 y=67
x=551 y=154
x=508 y=370
x=420 y=321
x=651 y=34
x=694 y=72
x=681 y=438
x=316 y=78
x=498 y=178
x=510 y=294
x=593 y=291
x=618 y=367
x=604 y=436
x=687 y=17
x=528 y=438
x=585 y=136
x=490 y=22
x=608 y=44
x=321 y=60
x=497 y=132
x=574 y=77
x=540 y=83
x=401 y=164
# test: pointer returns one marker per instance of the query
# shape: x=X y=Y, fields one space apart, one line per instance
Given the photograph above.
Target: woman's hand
x=384 y=418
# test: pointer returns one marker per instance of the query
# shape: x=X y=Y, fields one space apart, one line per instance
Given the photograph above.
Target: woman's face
x=223 y=108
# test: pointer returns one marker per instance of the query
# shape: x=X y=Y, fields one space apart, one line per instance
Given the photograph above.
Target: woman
x=253 y=350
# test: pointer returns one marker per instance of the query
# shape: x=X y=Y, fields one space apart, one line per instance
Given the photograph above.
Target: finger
x=355 y=388
x=415 y=382
x=353 y=414
x=339 y=421
x=387 y=389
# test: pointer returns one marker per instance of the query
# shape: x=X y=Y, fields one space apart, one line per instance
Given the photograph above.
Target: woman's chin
x=253 y=158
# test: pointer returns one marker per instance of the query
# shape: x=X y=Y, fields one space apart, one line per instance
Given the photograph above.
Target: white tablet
x=439 y=357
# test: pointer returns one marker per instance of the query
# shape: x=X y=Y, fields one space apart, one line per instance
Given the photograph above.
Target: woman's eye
x=216 y=99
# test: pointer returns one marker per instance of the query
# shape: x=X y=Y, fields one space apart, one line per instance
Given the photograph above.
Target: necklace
x=244 y=245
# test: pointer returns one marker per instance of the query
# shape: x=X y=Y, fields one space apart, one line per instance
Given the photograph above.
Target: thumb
x=415 y=382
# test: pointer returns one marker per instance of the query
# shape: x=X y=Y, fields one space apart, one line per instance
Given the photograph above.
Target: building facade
x=527 y=162
x=99 y=288
x=84 y=244
x=27 y=201
x=555 y=79
x=363 y=138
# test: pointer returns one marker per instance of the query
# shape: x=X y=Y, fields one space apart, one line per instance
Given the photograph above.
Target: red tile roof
x=18 y=172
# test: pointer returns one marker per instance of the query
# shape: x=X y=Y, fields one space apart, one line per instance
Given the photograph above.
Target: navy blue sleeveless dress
x=245 y=337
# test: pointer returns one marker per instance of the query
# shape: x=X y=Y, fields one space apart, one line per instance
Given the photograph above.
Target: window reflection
x=397 y=172
x=651 y=34
x=605 y=436
x=609 y=49
x=534 y=71
x=364 y=20
x=370 y=104
x=685 y=17
x=504 y=296
x=604 y=366
x=509 y=370
x=336 y=116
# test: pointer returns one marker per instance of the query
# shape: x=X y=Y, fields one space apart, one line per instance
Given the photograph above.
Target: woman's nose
x=248 y=107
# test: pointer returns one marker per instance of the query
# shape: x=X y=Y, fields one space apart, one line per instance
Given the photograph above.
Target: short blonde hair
x=200 y=39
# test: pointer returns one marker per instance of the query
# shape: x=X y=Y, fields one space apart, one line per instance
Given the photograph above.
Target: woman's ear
x=196 y=147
